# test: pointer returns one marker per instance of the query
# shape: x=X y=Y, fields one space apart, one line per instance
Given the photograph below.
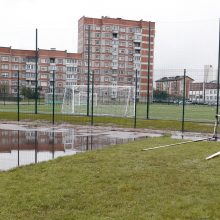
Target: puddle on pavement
x=21 y=145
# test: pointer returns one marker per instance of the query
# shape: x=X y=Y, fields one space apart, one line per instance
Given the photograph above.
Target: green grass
x=121 y=182
x=112 y=121
x=201 y=113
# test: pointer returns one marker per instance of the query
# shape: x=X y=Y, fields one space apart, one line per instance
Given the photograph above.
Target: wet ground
x=26 y=143
x=22 y=144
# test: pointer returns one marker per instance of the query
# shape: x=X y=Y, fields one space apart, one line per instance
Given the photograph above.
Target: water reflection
x=21 y=147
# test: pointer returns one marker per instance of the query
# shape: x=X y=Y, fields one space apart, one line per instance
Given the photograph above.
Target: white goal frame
x=122 y=97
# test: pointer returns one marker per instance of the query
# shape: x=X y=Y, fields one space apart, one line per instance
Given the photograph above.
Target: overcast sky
x=186 y=30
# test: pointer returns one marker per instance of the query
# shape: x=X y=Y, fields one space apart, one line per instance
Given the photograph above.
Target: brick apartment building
x=66 y=66
x=118 y=48
x=201 y=92
x=174 y=85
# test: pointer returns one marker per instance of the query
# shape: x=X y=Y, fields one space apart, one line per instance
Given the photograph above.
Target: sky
x=187 y=31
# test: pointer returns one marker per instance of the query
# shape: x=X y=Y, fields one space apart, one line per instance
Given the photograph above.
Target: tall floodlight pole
x=218 y=78
x=36 y=66
x=88 y=75
x=148 y=70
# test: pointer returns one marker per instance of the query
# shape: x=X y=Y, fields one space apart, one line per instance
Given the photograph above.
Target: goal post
x=107 y=100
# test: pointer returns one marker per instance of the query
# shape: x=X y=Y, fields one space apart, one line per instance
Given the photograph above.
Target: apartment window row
x=113 y=42
x=72 y=69
x=114 y=28
x=115 y=36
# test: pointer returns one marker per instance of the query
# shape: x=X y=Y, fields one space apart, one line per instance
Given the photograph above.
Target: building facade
x=203 y=92
x=174 y=85
x=117 y=49
x=65 y=66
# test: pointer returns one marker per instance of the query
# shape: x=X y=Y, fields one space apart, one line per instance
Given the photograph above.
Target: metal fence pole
x=18 y=96
x=35 y=145
x=148 y=76
x=92 y=97
x=53 y=94
x=18 y=148
x=218 y=79
x=184 y=98
x=135 y=101
x=36 y=82
x=88 y=75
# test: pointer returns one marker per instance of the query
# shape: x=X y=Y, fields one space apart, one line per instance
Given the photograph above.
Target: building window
x=43 y=60
x=123 y=43
x=107 y=28
x=5 y=66
x=122 y=29
x=15 y=59
x=60 y=61
x=15 y=67
x=5 y=58
x=107 y=35
x=30 y=67
x=4 y=75
x=107 y=42
x=97 y=35
x=43 y=68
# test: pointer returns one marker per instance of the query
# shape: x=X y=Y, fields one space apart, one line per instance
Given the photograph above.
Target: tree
x=27 y=92
x=160 y=95
x=4 y=90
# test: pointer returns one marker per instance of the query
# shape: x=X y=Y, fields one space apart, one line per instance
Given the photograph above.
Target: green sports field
x=199 y=113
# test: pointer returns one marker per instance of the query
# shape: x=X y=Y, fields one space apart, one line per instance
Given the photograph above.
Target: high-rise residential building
x=118 y=48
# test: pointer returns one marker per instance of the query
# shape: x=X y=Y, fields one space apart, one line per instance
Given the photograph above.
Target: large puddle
x=25 y=144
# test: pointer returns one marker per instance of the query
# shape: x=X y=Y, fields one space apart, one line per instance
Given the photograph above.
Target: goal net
x=58 y=98
x=107 y=100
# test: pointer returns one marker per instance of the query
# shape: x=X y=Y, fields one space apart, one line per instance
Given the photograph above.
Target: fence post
x=18 y=97
x=53 y=93
x=92 y=97
x=135 y=101
x=18 y=148
x=36 y=82
x=184 y=98
x=218 y=79
x=88 y=76
x=148 y=76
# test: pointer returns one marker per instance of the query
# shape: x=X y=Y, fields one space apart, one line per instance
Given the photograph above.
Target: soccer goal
x=58 y=98
x=107 y=100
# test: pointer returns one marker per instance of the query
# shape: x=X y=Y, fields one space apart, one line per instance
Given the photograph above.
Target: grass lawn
x=111 y=121
x=120 y=182
x=200 y=113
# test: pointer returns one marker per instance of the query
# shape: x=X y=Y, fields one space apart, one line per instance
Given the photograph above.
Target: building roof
x=172 y=78
x=41 y=52
x=105 y=20
x=199 y=86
